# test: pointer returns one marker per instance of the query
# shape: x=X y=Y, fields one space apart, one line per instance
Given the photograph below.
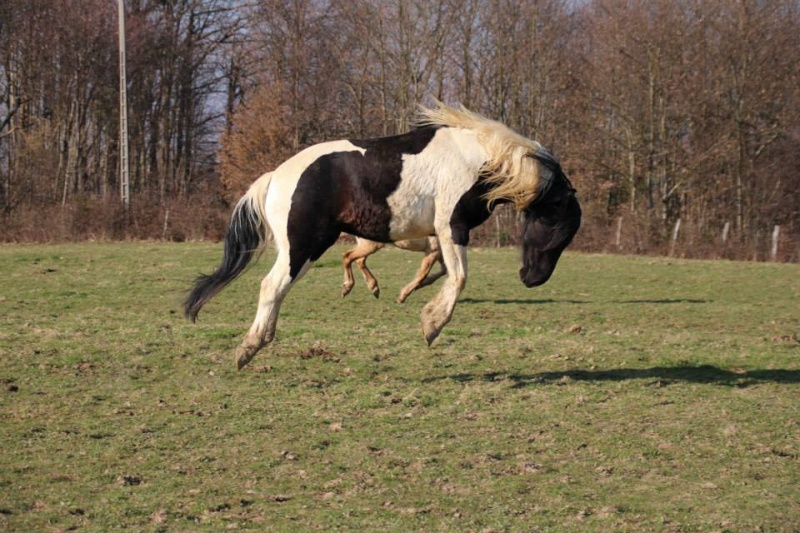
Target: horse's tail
x=245 y=238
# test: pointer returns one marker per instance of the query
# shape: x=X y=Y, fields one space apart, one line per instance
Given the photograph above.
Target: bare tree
x=660 y=111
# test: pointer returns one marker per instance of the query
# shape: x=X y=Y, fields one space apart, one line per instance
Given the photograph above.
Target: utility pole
x=125 y=191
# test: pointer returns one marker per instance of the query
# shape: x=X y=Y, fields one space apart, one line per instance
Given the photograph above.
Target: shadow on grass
x=657 y=375
x=527 y=301
x=521 y=301
x=664 y=301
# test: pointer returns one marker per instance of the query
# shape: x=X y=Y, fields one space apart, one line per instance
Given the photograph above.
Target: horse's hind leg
x=274 y=288
x=359 y=254
x=347 y=262
x=372 y=282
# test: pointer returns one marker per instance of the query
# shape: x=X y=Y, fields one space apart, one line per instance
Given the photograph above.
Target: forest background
x=678 y=121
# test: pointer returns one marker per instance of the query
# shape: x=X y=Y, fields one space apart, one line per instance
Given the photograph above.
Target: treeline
x=678 y=121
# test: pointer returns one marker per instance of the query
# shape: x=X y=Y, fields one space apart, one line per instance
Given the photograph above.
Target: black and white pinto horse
x=442 y=178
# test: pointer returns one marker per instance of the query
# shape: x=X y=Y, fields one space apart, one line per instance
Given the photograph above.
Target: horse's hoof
x=430 y=332
x=346 y=290
x=244 y=354
x=374 y=288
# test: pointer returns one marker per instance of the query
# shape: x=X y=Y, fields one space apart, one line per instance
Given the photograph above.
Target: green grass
x=627 y=394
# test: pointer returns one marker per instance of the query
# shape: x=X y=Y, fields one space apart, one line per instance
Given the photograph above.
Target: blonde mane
x=515 y=175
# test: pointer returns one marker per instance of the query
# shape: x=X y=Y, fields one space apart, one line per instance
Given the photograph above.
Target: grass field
x=627 y=394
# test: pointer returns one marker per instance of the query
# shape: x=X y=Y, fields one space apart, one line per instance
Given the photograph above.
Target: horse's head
x=551 y=221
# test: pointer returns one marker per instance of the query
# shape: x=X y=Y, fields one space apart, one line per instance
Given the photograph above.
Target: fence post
x=618 y=240
x=776 y=232
x=725 y=231
x=166 y=225
x=497 y=229
x=674 y=236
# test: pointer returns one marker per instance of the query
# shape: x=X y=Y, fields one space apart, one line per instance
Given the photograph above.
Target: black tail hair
x=245 y=235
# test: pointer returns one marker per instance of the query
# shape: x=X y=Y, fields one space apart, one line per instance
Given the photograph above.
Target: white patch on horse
x=433 y=181
x=507 y=165
x=289 y=172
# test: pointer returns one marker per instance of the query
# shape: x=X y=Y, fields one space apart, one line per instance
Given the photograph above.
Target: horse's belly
x=411 y=217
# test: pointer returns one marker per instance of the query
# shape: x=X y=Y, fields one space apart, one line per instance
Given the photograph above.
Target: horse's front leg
x=433 y=277
x=438 y=312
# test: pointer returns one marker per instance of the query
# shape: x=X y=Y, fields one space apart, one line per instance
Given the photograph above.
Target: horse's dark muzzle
x=533 y=279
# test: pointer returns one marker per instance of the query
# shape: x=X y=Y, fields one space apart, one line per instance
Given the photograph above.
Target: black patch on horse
x=348 y=192
x=471 y=211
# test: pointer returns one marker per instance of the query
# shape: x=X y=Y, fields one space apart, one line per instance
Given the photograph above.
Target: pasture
x=626 y=394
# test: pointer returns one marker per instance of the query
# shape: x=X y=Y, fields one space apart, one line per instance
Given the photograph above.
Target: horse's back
x=384 y=189
x=293 y=168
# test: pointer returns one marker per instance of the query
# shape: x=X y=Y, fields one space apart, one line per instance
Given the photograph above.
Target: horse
x=443 y=178
x=364 y=248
